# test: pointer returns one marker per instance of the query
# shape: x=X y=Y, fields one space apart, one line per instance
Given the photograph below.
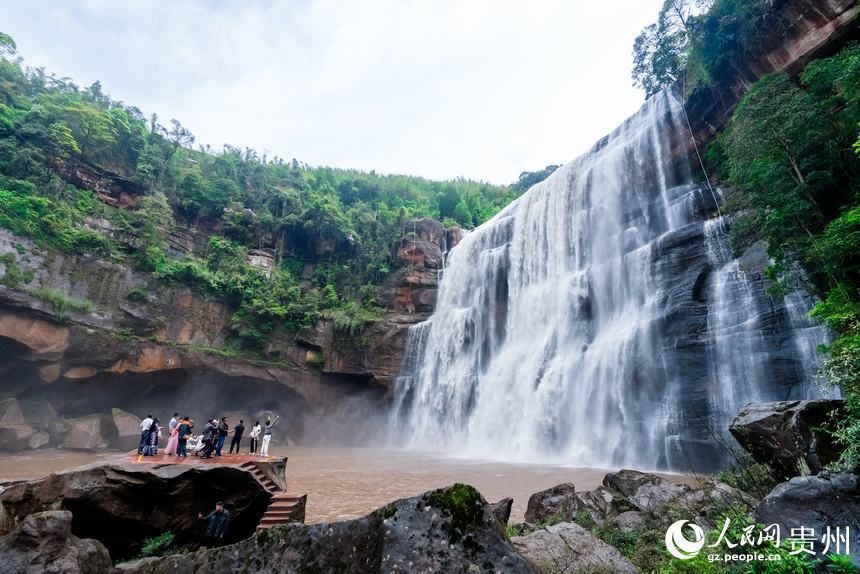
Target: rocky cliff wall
x=799 y=32
x=90 y=335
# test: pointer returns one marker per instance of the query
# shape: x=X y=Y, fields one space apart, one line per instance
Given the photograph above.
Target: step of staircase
x=282 y=505
x=267 y=482
x=281 y=509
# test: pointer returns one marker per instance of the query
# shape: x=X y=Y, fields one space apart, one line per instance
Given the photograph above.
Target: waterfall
x=600 y=320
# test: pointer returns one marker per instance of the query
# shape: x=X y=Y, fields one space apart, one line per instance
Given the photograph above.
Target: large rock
x=568 y=547
x=787 y=435
x=421 y=244
x=453 y=236
x=559 y=500
x=647 y=492
x=43 y=543
x=123 y=502
x=10 y=412
x=447 y=530
x=15 y=434
x=127 y=428
x=15 y=438
x=39 y=439
x=816 y=502
x=39 y=413
x=502 y=510
x=659 y=499
x=91 y=432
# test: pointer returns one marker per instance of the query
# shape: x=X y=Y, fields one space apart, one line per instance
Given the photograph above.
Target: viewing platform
x=270 y=471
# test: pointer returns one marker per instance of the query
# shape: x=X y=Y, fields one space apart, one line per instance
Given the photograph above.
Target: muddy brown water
x=344 y=483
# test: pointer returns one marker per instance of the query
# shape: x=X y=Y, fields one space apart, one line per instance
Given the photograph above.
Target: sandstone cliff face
x=90 y=335
x=801 y=31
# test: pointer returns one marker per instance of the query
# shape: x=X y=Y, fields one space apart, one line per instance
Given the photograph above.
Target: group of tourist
x=207 y=444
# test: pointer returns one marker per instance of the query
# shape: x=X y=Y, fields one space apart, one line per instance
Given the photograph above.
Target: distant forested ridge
x=54 y=135
x=789 y=159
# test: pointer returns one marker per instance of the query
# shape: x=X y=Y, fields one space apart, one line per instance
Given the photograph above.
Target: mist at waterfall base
x=600 y=320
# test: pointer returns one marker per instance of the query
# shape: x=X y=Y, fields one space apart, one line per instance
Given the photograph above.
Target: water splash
x=600 y=320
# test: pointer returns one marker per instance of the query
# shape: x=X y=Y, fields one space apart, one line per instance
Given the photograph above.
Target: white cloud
x=478 y=88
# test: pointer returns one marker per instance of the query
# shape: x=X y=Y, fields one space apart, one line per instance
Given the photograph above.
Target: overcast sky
x=475 y=88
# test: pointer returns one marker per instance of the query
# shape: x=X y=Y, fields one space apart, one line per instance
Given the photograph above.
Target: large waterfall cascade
x=600 y=320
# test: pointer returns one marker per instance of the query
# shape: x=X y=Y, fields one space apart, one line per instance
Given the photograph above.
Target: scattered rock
x=15 y=434
x=10 y=412
x=598 y=503
x=502 y=510
x=647 y=492
x=559 y=500
x=39 y=439
x=128 y=429
x=15 y=438
x=568 y=547
x=447 y=530
x=43 y=543
x=786 y=435
x=38 y=413
x=91 y=432
x=816 y=502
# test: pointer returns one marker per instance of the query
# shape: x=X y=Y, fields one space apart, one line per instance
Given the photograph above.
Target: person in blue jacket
x=218 y=520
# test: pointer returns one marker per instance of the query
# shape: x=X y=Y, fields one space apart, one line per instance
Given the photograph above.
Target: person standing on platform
x=255 y=436
x=267 y=435
x=145 y=424
x=217 y=520
x=238 y=431
x=223 y=431
x=151 y=448
x=208 y=437
x=185 y=426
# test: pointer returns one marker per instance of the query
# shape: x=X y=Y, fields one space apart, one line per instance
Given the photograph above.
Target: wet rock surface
x=124 y=502
x=568 y=547
x=43 y=543
x=788 y=435
x=816 y=502
x=558 y=500
x=502 y=510
x=15 y=434
x=447 y=530
x=90 y=432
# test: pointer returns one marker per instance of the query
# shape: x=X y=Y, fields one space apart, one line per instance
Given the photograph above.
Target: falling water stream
x=601 y=320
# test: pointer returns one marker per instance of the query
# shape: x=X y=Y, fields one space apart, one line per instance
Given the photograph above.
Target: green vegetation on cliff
x=337 y=225
x=698 y=45
x=790 y=149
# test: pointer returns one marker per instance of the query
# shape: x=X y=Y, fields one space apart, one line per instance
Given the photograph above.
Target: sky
x=441 y=89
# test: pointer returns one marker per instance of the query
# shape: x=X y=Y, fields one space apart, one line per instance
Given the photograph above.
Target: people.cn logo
x=678 y=545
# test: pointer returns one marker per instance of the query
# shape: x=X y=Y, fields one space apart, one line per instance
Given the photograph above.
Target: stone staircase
x=284 y=507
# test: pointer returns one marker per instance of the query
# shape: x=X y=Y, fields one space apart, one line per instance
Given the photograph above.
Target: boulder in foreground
x=43 y=543
x=816 y=502
x=568 y=547
x=447 y=530
x=787 y=435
